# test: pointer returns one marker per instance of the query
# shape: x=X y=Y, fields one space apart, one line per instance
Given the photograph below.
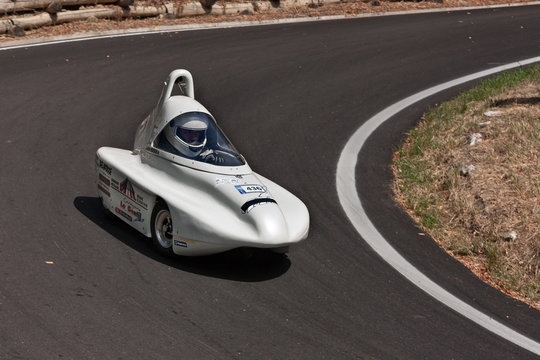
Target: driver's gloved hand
x=212 y=158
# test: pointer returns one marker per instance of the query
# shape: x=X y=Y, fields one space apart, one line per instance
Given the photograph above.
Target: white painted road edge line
x=350 y=201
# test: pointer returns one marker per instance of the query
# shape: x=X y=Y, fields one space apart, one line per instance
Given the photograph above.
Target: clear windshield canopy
x=196 y=136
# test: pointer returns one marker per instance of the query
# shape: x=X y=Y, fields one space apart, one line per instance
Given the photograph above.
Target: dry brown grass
x=472 y=216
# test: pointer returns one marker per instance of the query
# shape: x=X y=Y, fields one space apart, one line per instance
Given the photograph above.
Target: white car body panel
x=205 y=200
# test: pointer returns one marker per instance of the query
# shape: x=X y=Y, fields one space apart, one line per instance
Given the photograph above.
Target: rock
x=54 y=8
x=16 y=31
x=473 y=139
x=493 y=113
x=511 y=236
x=375 y=3
x=125 y=3
x=207 y=3
x=484 y=123
x=275 y=3
x=466 y=170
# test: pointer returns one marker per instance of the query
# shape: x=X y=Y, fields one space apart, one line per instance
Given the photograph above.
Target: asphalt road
x=78 y=285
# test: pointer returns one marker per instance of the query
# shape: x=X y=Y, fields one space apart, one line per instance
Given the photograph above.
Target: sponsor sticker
x=123 y=214
x=183 y=242
x=132 y=210
x=180 y=243
x=104 y=180
x=114 y=184
x=250 y=189
x=227 y=180
x=126 y=188
x=104 y=167
x=103 y=190
x=152 y=150
x=140 y=201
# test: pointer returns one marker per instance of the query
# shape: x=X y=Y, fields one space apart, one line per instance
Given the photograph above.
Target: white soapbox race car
x=186 y=186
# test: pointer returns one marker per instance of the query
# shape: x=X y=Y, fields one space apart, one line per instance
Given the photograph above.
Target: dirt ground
x=348 y=8
x=483 y=196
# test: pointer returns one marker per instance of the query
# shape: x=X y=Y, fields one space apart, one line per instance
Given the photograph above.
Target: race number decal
x=250 y=189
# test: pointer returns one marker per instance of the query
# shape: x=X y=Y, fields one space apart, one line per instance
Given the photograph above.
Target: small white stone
x=466 y=170
x=472 y=139
x=511 y=236
x=484 y=123
x=492 y=113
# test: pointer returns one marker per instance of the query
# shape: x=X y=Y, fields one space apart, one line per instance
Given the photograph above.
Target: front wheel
x=162 y=229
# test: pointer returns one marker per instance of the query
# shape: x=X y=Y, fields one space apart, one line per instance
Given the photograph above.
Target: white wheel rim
x=163 y=228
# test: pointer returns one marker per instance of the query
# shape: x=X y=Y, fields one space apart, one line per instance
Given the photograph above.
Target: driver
x=188 y=136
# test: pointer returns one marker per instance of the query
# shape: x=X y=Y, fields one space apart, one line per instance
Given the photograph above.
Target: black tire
x=162 y=229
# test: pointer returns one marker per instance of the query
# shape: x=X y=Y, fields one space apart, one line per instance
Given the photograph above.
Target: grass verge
x=469 y=174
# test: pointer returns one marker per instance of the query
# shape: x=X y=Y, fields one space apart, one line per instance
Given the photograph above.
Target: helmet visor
x=191 y=137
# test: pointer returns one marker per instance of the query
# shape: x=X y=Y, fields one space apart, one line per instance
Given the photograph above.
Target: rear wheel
x=162 y=229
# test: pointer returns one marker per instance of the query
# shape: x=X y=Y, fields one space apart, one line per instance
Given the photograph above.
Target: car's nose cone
x=270 y=223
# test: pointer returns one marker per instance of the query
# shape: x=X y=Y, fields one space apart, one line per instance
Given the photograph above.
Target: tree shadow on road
x=240 y=264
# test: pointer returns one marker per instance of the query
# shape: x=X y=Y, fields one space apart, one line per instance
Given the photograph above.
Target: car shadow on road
x=239 y=265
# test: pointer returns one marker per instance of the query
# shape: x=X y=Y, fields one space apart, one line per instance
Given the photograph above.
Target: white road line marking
x=350 y=201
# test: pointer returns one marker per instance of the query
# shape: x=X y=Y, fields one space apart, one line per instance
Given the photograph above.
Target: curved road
x=78 y=285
